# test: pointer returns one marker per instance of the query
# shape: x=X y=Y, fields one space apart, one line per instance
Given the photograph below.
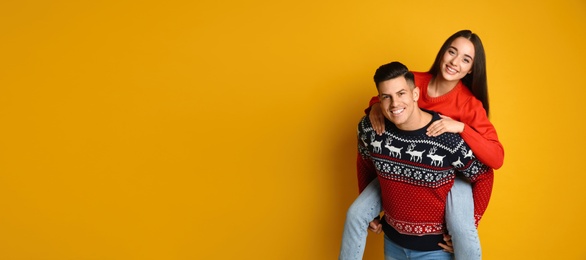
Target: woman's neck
x=438 y=86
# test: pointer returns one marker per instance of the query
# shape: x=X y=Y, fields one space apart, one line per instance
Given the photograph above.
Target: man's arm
x=482 y=190
x=365 y=169
x=481 y=178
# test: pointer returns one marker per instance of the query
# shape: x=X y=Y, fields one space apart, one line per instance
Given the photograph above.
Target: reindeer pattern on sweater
x=416 y=173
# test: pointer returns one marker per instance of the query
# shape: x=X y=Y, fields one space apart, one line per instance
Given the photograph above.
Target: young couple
x=426 y=155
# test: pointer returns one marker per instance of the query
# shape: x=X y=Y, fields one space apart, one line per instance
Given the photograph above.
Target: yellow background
x=226 y=129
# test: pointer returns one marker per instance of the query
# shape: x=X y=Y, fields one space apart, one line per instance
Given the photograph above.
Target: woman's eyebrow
x=456 y=49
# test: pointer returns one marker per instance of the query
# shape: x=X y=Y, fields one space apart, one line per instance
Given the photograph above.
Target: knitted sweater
x=461 y=105
x=479 y=133
x=416 y=172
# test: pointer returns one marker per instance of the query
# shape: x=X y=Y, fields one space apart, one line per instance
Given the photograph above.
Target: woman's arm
x=377 y=119
x=373 y=101
x=474 y=127
x=481 y=136
x=485 y=145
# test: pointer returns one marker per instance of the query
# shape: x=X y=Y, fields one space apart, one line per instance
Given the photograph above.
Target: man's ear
x=416 y=94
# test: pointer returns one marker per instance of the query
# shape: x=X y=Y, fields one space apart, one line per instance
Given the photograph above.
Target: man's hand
x=377 y=119
x=375 y=226
x=448 y=247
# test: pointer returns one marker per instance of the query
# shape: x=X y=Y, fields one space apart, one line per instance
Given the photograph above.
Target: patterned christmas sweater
x=461 y=105
x=416 y=172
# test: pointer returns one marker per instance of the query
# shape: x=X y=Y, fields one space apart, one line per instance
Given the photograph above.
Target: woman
x=456 y=87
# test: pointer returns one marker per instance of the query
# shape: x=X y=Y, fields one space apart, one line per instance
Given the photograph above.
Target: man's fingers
x=374 y=227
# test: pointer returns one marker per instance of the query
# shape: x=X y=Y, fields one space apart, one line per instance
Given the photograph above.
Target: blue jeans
x=364 y=209
x=459 y=221
x=396 y=252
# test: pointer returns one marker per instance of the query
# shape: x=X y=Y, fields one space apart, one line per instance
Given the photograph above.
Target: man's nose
x=394 y=102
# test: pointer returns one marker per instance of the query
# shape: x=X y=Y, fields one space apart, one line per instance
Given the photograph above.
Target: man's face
x=398 y=102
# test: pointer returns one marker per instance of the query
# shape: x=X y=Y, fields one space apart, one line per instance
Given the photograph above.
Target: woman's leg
x=363 y=210
x=460 y=221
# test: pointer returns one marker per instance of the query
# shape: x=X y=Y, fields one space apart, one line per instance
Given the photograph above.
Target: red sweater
x=461 y=105
x=416 y=172
x=479 y=133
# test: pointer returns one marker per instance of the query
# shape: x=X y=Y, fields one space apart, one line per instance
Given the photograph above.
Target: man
x=415 y=171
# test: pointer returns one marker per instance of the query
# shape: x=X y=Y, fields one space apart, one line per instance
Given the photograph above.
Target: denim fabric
x=459 y=221
x=362 y=211
x=396 y=252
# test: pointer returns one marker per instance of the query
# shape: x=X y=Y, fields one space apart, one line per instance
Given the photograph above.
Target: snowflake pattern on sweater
x=416 y=173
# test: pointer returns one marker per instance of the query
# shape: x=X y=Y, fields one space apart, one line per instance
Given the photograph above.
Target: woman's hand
x=377 y=119
x=446 y=124
x=448 y=247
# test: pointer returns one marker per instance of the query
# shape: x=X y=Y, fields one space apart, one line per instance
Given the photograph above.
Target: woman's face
x=458 y=59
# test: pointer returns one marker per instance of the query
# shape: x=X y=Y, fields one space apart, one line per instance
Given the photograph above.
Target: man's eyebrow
x=390 y=94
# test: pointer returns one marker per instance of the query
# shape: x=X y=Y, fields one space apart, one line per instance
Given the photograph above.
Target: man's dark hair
x=393 y=70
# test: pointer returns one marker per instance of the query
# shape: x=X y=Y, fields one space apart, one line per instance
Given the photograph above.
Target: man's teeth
x=397 y=111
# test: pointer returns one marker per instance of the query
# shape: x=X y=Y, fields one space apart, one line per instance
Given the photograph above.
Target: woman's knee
x=356 y=211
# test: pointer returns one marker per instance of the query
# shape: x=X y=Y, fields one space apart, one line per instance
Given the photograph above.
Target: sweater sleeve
x=365 y=169
x=481 y=192
x=481 y=136
x=481 y=178
x=373 y=100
